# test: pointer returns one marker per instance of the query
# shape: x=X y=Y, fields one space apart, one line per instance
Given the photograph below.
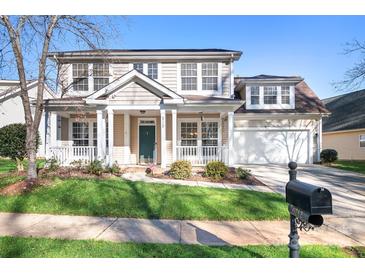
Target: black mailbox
x=309 y=198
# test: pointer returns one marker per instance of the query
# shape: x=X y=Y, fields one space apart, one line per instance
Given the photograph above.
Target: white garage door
x=270 y=146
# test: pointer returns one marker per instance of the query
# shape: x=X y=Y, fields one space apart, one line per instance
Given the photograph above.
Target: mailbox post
x=307 y=204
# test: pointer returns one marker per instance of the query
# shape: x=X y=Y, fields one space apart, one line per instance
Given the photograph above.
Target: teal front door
x=146 y=143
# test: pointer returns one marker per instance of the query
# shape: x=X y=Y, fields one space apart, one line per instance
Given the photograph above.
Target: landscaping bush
x=95 y=167
x=243 y=173
x=114 y=169
x=328 y=156
x=12 y=143
x=216 y=170
x=180 y=170
x=52 y=164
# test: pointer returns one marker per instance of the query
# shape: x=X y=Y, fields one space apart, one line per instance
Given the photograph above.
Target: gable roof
x=347 y=111
x=143 y=80
x=306 y=101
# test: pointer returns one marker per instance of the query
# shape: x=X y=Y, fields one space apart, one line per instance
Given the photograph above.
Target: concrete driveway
x=347 y=188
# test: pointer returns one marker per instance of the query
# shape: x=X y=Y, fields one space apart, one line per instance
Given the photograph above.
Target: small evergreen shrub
x=243 y=173
x=216 y=170
x=77 y=164
x=52 y=164
x=95 y=167
x=180 y=170
x=329 y=156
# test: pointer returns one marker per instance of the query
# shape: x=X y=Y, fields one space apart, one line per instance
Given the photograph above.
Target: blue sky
x=309 y=46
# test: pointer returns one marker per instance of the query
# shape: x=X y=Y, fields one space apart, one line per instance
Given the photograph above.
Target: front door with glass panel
x=146 y=143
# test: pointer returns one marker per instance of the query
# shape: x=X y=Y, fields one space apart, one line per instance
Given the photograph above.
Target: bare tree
x=30 y=38
x=355 y=76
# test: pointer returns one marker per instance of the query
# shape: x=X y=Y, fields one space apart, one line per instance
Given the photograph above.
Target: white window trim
x=261 y=104
x=360 y=140
x=145 y=69
x=199 y=123
x=90 y=121
x=200 y=90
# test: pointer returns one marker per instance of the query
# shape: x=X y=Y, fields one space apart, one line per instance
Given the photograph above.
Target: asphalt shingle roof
x=347 y=111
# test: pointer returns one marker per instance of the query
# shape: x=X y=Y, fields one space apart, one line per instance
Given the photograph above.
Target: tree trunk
x=32 y=158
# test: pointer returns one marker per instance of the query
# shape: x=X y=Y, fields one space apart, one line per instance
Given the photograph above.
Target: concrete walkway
x=138 y=176
x=164 y=231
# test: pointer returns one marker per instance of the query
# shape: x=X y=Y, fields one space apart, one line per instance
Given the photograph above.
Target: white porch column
x=53 y=129
x=174 y=134
x=319 y=139
x=110 y=135
x=163 y=138
x=100 y=123
x=230 y=138
x=126 y=131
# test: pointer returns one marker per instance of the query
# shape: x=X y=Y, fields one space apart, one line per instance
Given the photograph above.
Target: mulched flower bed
x=198 y=175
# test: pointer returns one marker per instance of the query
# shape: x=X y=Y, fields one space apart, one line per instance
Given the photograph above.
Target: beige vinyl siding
x=225 y=131
x=119 y=69
x=135 y=94
x=169 y=75
x=347 y=144
x=226 y=79
x=118 y=148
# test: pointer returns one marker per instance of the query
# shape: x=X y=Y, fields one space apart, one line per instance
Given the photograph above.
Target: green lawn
x=357 y=166
x=116 y=197
x=47 y=248
x=6 y=165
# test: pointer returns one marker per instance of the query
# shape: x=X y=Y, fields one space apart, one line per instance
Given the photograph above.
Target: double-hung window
x=152 y=70
x=285 y=95
x=255 y=95
x=101 y=75
x=210 y=76
x=210 y=133
x=362 y=140
x=189 y=133
x=270 y=95
x=138 y=66
x=80 y=74
x=189 y=76
x=80 y=133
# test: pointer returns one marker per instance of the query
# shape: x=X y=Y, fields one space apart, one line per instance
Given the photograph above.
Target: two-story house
x=158 y=106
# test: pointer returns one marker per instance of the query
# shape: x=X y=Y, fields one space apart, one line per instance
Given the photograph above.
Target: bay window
x=270 y=95
x=189 y=79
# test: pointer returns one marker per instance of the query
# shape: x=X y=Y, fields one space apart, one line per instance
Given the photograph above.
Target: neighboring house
x=344 y=129
x=11 y=106
x=158 y=106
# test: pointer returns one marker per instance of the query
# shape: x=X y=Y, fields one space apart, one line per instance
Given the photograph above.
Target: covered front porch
x=138 y=137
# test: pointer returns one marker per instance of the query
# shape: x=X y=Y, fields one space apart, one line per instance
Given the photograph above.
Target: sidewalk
x=165 y=231
x=146 y=179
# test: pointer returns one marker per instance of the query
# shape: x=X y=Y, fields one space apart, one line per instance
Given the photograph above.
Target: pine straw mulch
x=230 y=178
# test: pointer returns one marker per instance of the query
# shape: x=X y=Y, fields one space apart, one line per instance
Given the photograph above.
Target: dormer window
x=255 y=95
x=285 y=95
x=270 y=95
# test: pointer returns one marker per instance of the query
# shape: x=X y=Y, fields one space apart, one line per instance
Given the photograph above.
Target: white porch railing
x=67 y=154
x=201 y=155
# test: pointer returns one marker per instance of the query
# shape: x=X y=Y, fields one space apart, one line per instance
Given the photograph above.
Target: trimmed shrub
x=216 y=170
x=243 y=173
x=12 y=143
x=95 y=167
x=180 y=170
x=329 y=156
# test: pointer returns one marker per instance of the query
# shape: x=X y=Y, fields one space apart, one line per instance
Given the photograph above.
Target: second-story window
x=255 y=95
x=80 y=74
x=210 y=76
x=270 y=95
x=138 y=66
x=285 y=95
x=152 y=70
x=101 y=75
x=189 y=77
